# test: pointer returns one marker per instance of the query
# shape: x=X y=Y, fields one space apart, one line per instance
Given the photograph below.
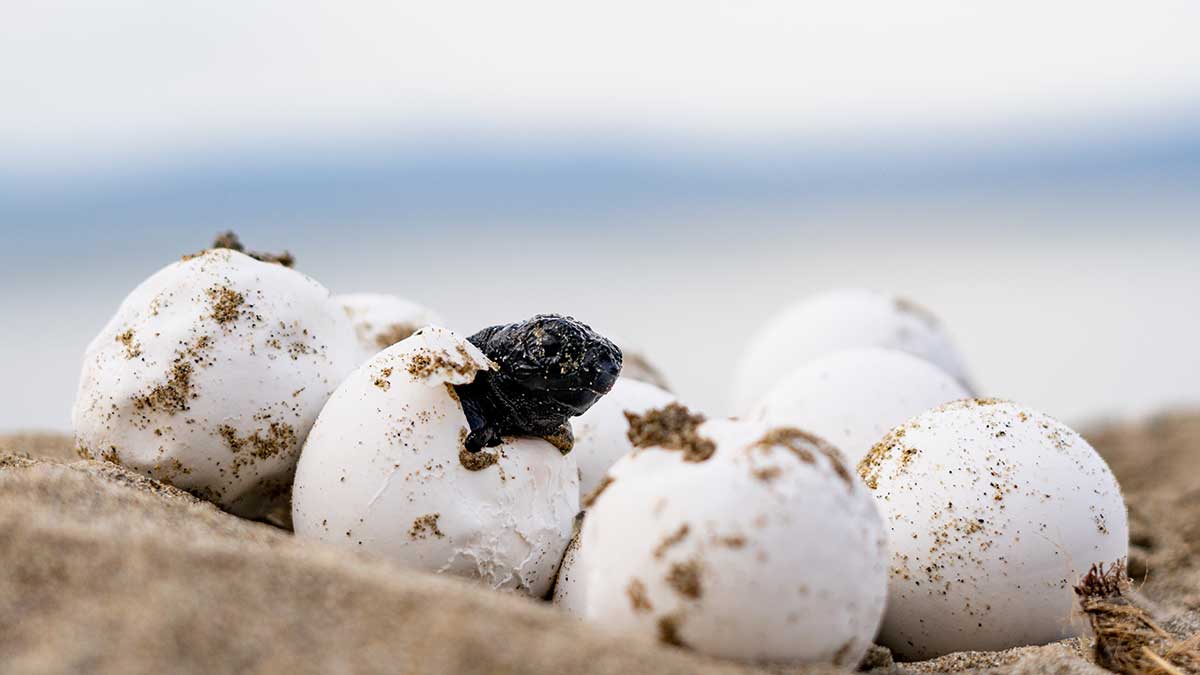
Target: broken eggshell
x=996 y=512
x=385 y=470
x=834 y=321
x=210 y=375
x=382 y=320
x=737 y=540
x=854 y=397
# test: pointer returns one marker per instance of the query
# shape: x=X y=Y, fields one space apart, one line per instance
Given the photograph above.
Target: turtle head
x=553 y=366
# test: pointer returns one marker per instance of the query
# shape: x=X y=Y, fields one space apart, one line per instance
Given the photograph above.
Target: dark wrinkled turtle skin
x=551 y=368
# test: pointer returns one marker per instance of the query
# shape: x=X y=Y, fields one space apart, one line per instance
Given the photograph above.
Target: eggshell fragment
x=853 y=398
x=834 y=321
x=740 y=541
x=385 y=470
x=601 y=433
x=382 y=320
x=210 y=376
x=996 y=511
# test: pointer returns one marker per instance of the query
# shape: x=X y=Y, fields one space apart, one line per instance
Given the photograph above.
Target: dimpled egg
x=382 y=320
x=210 y=376
x=853 y=398
x=385 y=470
x=602 y=433
x=995 y=512
x=736 y=540
x=834 y=321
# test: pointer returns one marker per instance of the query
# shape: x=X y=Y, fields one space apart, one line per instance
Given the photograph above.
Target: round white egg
x=768 y=550
x=210 y=376
x=637 y=366
x=834 y=321
x=854 y=397
x=385 y=470
x=382 y=320
x=996 y=511
x=602 y=433
x=569 y=587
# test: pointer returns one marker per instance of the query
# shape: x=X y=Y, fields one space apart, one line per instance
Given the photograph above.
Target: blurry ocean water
x=1066 y=271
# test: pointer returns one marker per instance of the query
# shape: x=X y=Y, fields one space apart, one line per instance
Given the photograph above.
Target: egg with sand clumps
x=210 y=376
x=837 y=320
x=386 y=470
x=602 y=433
x=382 y=320
x=996 y=512
x=737 y=540
x=854 y=397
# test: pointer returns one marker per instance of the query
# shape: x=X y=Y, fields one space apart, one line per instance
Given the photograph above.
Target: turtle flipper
x=484 y=437
x=483 y=433
x=562 y=438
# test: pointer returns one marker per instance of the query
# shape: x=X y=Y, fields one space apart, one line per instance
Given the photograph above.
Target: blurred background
x=671 y=172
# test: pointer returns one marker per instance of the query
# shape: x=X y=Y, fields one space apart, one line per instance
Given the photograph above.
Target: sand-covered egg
x=834 y=321
x=385 y=470
x=737 y=540
x=995 y=512
x=210 y=376
x=854 y=397
x=381 y=320
x=602 y=433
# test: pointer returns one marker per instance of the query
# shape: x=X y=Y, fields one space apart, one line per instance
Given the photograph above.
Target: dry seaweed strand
x=1128 y=640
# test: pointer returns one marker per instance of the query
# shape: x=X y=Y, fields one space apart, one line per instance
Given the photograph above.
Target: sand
x=104 y=571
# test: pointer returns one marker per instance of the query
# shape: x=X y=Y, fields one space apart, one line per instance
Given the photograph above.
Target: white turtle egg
x=569 y=588
x=737 y=540
x=601 y=433
x=385 y=470
x=996 y=511
x=635 y=365
x=210 y=375
x=834 y=321
x=382 y=320
x=854 y=397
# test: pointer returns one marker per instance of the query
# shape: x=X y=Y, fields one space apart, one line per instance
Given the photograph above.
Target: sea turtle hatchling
x=551 y=368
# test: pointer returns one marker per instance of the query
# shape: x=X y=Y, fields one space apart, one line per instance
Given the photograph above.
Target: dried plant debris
x=229 y=240
x=672 y=427
x=1128 y=640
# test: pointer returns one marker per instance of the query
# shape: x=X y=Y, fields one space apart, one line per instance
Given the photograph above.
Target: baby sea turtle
x=551 y=368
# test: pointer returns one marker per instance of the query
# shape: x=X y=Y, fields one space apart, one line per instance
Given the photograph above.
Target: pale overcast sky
x=98 y=80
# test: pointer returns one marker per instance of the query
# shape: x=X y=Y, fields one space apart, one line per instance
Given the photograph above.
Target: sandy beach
x=105 y=571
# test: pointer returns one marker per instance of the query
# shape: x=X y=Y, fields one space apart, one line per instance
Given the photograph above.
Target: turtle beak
x=606 y=377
